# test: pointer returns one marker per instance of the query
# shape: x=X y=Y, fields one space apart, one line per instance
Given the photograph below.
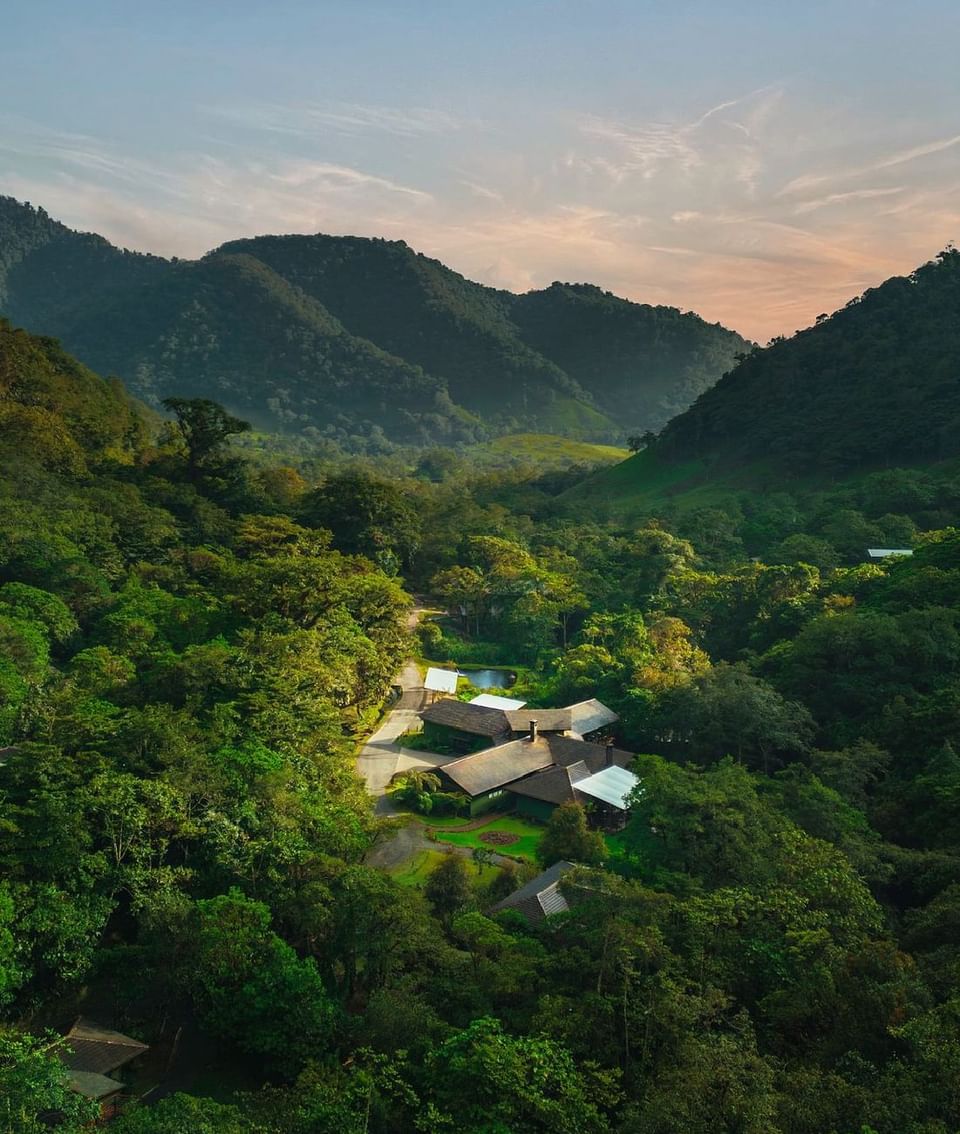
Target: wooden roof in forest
x=97 y=1049
x=467 y=717
x=540 y=897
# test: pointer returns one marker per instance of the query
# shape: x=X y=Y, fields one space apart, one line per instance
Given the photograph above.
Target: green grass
x=529 y=836
x=414 y=871
x=545 y=450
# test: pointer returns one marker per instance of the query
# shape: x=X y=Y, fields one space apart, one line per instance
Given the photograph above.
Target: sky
x=759 y=163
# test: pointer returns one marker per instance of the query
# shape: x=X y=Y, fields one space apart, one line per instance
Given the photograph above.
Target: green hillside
x=356 y=339
x=875 y=386
x=544 y=450
x=878 y=382
x=641 y=364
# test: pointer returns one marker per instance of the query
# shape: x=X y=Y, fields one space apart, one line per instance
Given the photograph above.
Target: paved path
x=382 y=757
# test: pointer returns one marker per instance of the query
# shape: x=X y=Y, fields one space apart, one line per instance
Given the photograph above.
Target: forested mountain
x=640 y=363
x=876 y=383
x=355 y=337
x=190 y=649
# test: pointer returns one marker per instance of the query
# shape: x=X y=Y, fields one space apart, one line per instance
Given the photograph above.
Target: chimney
x=534 y=732
x=608 y=761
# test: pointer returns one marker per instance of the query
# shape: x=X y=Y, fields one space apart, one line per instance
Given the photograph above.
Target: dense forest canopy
x=360 y=341
x=877 y=382
x=192 y=644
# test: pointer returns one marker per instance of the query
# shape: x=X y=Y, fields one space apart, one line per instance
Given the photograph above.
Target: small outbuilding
x=91 y=1053
x=540 y=898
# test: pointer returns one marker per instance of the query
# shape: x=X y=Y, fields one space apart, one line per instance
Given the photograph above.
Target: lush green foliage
x=363 y=342
x=189 y=647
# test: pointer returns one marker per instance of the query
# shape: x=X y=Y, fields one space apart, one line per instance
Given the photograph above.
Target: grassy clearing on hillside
x=646 y=484
x=545 y=450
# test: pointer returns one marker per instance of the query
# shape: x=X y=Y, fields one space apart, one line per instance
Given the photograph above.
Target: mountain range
x=353 y=338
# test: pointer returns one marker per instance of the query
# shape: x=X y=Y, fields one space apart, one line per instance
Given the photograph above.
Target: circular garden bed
x=498 y=838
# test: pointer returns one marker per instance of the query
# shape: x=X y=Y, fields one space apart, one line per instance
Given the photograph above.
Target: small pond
x=490 y=678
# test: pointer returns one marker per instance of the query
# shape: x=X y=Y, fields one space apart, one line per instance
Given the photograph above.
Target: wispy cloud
x=812 y=180
x=845 y=198
x=308 y=118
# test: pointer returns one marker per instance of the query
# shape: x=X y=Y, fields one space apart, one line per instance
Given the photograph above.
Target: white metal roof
x=491 y=701
x=883 y=552
x=611 y=785
x=441 y=680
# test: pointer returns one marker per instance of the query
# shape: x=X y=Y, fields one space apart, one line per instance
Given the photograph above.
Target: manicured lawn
x=528 y=836
x=414 y=872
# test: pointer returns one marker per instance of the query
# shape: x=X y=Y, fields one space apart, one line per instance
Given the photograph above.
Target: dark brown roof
x=548 y=720
x=97 y=1049
x=504 y=764
x=540 y=897
x=552 y=785
x=494 y=767
x=570 y=749
x=465 y=717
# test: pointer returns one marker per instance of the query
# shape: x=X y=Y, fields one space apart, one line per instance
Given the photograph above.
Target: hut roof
x=588 y=716
x=540 y=897
x=97 y=1049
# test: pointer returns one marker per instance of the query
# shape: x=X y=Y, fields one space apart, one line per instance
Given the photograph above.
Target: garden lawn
x=414 y=871
x=528 y=836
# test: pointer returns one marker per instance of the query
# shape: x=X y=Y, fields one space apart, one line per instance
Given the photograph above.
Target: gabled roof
x=441 y=680
x=504 y=765
x=548 y=720
x=588 y=716
x=91 y=1085
x=97 y=1049
x=467 y=717
x=492 y=701
x=541 y=896
x=610 y=785
x=552 y=785
x=495 y=767
x=883 y=552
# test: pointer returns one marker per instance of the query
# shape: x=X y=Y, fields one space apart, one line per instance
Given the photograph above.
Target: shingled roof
x=96 y=1049
x=495 y=767
x=541 y=896
x=467 y=717
x=574 y=761
x=506 y=764
x=548 y=720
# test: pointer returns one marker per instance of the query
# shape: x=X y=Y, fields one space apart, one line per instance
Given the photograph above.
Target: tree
x=184 y=1114
x=487 y=1081
x=448 y=887
x=568 y=837
x=204 y=426
x=252 y=988
x=33 y=1082
x=367 y=515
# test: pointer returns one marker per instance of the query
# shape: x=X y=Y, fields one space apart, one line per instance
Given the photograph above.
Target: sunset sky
x=756 y=162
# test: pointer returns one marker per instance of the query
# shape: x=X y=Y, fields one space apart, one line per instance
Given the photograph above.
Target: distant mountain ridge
x=350 y=337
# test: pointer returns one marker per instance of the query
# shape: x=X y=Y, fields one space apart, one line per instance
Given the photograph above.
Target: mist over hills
x=354 y=338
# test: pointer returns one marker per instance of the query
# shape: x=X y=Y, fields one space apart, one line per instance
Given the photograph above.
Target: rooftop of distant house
x=540 y=898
